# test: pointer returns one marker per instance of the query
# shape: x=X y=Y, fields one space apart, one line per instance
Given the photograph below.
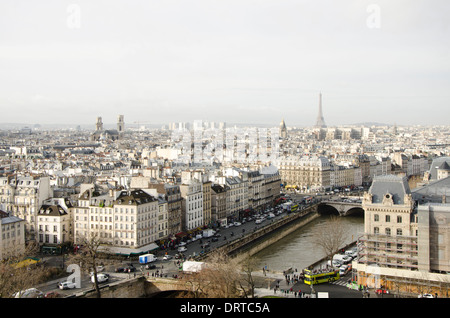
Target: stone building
x=405 y=242
x=12 y=235
x=218 y=203
x=305 y=173
x=126 y=222
x=23 y=196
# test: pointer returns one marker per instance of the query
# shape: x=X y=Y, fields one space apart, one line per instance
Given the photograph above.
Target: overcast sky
x=225 y=60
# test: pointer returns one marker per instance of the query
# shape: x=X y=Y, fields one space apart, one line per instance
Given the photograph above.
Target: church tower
x=99 y=124
x=120 y=124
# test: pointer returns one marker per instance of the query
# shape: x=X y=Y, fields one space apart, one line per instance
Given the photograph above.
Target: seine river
x=297 y=250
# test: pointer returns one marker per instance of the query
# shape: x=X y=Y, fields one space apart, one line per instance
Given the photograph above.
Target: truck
x=208 y=233
x=147 y=258
x=193 y=267
x=344 y=259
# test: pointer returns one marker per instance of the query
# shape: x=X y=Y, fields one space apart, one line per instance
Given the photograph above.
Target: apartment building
x=23 y=196
x=172 y=195
x=12 y=235
x=54 y=223
x=305 y=173
x=237 y=195
x=255 y=188
x=192 y=205
x=218 y=203
x=163 y=218
x=127 y=220
x=271 y=184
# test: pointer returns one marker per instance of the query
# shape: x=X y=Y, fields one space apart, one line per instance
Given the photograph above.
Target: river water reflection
x=297 y=250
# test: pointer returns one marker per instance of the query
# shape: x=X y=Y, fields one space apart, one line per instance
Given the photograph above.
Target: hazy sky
x=225 y=60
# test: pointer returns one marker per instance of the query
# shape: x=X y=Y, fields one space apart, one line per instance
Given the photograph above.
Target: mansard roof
x=395 y=185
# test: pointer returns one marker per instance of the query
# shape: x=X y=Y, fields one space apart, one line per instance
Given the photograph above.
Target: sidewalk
x=283 y=287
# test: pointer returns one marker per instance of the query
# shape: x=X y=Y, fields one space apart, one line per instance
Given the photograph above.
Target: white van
x=351 y=253
x=345 y=259
x=343 y=270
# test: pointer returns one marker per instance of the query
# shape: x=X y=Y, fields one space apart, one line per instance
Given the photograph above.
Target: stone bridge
x=339 y=207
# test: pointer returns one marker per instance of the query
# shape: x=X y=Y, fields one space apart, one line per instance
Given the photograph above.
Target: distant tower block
x=320 y=121
x=120 y=124
x=99 y=124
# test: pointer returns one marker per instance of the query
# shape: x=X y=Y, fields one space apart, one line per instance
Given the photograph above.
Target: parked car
x=126 y=269
x=29 y=293
x=52 y=294
x=237 y=224
x=167 y=257
x=182 y=249
x=205 y=245
x=343 y=269
x=101 y=278
x=426 y=296
x=66 y=285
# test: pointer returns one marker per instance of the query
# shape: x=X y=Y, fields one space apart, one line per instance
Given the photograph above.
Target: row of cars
x=268 y=214
x=343 y=260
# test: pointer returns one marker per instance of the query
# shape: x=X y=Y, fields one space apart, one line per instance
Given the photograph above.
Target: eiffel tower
x=320 y=123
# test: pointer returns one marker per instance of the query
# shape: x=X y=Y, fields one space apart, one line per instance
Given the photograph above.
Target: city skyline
x=236 y=62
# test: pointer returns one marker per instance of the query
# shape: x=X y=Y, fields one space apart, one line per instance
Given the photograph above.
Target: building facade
x=405 y=242
x=192 y=205
x=23 y=196
x=12 y=235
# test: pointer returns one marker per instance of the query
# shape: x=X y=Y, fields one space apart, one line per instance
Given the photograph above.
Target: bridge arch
x=326 y=209
x=340 y=208
x=355 y=211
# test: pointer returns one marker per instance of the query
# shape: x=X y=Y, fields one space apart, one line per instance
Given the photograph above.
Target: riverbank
x=251 y=243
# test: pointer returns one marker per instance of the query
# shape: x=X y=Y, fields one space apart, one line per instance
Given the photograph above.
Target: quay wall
x=251 y=243
x=243 y=247
x=273 y=236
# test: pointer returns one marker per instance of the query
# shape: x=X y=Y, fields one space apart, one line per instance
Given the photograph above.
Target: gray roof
x=395 y=185
x=436 y=164
x=433 y=192
x=10 y=219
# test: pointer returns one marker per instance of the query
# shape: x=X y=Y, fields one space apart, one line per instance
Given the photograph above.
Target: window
x=399 y=232
x=376 y=218
x=388 y=218
x=388 y=231
x=399 y=219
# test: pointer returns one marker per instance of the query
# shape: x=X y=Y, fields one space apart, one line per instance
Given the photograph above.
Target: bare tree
x=220 y=278
x=87 y=257
x=331 y=236
x=248 y=265
x=17 y=274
